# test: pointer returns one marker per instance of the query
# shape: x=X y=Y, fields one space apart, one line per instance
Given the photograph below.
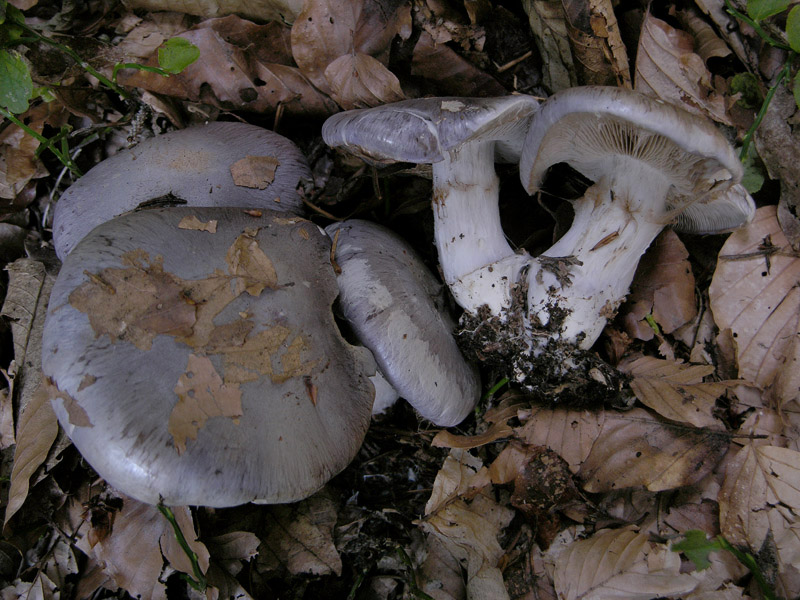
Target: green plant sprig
x=198 y=582
x=62 y=153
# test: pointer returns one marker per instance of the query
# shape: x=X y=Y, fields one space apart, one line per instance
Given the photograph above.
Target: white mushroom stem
x=477 y=263
x=615 y=222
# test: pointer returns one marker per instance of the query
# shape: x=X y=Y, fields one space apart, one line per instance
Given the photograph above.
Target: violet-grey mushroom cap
x=193 y=164
x=394 y=305
x=423 y=130
x=155 y=333
x=586 y=127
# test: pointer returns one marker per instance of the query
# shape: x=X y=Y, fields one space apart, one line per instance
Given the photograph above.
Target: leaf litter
x=718 y=453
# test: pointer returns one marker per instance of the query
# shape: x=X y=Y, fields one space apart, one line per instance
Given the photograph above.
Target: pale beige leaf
x=36 y=432
x=675 y=390
x=193 y=223
x=131 y=552
x=759 y=477
x=323 y=32
x=258 y=10
x=359 y=81
x=202 y=395
x=254 y=171
x=549 y=29
x=729 y=592
x=636 y=449
x=756 y=296
x=663 y=287
x=667 y=68
x=300 y=537
x=570 y=433
x=460 y=475
x=172 y=550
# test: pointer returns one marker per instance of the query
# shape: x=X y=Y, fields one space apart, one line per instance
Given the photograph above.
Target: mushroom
x=204 y=368
x=460 y=137
x=651 y=164
x=192 y=166
x=394 y=306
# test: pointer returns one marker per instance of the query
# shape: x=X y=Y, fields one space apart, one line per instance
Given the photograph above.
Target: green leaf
x=763 y=9
x=697 y=547
x=176 y=54
x=796 y=89
x=793 y=28
x=754 y=174
x=746 y=84
x=16 y=86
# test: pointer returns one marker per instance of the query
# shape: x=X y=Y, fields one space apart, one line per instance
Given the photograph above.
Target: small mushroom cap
x=591 y=128
x=423 y=130
x=206 y=368
x=394 y=305
x=193 y=165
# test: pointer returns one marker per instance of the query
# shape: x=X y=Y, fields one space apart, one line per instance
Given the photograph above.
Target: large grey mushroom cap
x=394 y=305
x=594 y=128
x=194 y=166
x=423 y=130
x=206 y=368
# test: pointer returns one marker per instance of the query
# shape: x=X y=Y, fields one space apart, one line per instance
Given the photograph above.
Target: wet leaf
x=202 y=395
x=359 y=81
x=756 y=480
x=675 y=390
x=667 y=68
x=754 y=293
x=663 y=286
x=636 y=449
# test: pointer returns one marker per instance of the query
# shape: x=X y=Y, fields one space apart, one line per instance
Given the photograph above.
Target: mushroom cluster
x=650 y=163
x=190 y=349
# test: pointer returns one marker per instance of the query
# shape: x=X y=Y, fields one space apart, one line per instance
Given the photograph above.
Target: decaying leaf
x=202 y=395
x=359 y=81
x=300 y=537
x=762 y=483
x=254 y=171
x=193 y=223
x=754 y=293
x=636 y=449
x=667 y=68
x=663 y=287
x=675 y=390
x=549 y=28
x=618 y=563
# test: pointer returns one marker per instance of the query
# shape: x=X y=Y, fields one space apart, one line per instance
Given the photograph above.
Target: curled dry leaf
x=300 y=537
x=754 y=293
x=707 y=43
x=675 y=390
x=618 y=563
x=760 y=495
x=663 y=286
x=359 y=81
x=667 y=68
x=636 y=449
x=549 y=28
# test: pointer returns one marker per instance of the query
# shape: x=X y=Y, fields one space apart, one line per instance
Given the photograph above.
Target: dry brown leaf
x=618 y=563
x=258 y=10
x=18 y=162
x=193 y=223
x=202 y=395
x=149 y=33
x=663 y=286
x=440 y=573
x=323 y=32
x=675 y=390
x=36 y=431
x=667 y=68
x=254 y=171
x=300 y=537
x=754 y=293
x=636 y=449
x=461 y=475
x=757 y=479
x=359 y=81
x=496 y=431
x=707 y=43
x=598 y=52
x=549 y=27
x=248 y=262
x=236 y=545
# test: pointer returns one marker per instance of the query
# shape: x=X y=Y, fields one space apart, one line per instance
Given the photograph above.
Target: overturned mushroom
x=206 y=368
x=461 y=138
x=390 y=300
x=219 y=164
x=651 y=164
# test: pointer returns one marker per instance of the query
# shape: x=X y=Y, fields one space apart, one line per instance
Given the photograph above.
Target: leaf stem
x=749 y=561
x=46 y=144
x=784 y=73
